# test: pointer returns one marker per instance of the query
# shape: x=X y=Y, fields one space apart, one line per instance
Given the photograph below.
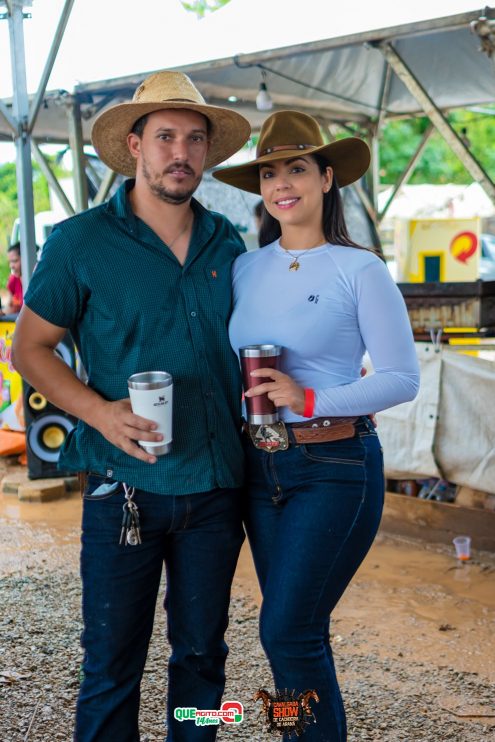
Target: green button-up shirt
x=131 y=307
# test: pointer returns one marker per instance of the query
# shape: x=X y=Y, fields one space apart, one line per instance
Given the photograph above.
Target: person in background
x=315 y=485
x=14 y=284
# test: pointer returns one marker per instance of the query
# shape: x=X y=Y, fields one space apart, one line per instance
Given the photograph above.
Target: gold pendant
x=294 y=266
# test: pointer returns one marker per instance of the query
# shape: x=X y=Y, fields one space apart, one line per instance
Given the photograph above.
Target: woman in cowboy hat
x=314 y=506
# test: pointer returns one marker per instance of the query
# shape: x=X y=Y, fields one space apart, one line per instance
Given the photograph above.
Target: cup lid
x=149 y=380
x=260 y=351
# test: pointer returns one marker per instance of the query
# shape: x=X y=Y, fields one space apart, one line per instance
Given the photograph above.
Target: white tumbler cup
x=151 y=397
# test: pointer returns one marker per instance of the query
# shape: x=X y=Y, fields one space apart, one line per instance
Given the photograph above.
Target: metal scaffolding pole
x=456 y=144
x=105 y=185
x=365 y=200
x=408 y=170
x=376 y=136
x=20 y=110
x=52 y=55
x=51 y=178
x=8 y=117
x=78 y=158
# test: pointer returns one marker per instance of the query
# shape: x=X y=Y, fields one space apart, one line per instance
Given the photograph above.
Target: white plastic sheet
x=407 y=432
x=449 y=429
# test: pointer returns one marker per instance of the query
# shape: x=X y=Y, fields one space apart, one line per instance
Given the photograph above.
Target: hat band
x=280 y=147
x=182 y=100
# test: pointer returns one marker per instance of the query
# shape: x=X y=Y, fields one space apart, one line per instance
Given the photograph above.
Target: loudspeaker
x=47 y=426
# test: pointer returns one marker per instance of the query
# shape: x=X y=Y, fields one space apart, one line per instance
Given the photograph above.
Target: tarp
x=448 y=431
x=339 y=79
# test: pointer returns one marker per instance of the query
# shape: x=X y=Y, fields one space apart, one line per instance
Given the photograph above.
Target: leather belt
x=324 y=429
x=278 y=436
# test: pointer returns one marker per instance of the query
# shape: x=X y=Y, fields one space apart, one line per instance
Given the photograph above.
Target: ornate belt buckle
x=270 y=438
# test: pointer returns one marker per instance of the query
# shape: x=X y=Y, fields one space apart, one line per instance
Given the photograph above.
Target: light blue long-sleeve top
x=340 y=303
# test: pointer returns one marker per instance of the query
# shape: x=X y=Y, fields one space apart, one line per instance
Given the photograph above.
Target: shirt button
x=193 y=314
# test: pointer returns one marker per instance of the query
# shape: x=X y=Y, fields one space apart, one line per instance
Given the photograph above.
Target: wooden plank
x=37 y=490
x=438 y=521
x=444 y=289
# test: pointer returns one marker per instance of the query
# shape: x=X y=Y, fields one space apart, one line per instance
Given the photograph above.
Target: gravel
x=390 y=700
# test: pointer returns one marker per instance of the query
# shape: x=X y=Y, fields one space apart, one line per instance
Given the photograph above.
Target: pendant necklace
x=295 y=265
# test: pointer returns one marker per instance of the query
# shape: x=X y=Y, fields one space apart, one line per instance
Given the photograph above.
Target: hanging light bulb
x=263 y=99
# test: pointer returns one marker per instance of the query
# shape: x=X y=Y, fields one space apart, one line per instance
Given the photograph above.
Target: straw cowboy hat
x=284 y=134
x=164 y=90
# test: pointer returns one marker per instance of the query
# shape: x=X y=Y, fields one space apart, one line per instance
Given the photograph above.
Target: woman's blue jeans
x=312 y=513
x=198 y=537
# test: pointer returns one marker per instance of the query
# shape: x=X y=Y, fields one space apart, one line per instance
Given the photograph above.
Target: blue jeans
x=198 y=537
x=312 y=513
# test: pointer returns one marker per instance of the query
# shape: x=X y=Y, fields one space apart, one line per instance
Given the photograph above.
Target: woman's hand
x=281 y=389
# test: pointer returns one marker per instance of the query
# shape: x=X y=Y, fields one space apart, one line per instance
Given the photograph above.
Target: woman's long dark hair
x=333 y=222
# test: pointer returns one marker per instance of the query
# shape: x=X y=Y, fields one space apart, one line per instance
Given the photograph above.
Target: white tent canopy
x=346 y=79
x=363 y=79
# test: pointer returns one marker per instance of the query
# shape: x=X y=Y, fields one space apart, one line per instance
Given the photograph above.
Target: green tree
x=9 y=210
x=438 y=164
x=201 y=7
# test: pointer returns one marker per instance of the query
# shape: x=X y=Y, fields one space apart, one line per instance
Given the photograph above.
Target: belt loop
x=369 y=425
x=290 y=435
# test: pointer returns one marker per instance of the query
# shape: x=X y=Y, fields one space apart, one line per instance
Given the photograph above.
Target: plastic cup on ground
x=260 y=410
x=151 y=394
x=462 y=547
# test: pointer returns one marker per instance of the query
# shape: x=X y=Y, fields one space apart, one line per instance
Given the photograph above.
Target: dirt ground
x=413 y=639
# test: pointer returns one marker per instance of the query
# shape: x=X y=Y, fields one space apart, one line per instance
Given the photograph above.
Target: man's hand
x=282 y=390
x=119 y=425
x=33 y=356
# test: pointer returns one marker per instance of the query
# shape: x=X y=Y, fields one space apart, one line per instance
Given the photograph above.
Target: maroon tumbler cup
x=260 y=410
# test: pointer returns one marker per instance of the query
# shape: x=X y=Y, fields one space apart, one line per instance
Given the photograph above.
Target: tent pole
x=51 y=178
x=78 y=158
x=8 y=117
x=52 y=55
x=408 y=170
x=24 y=170
x=376 y=136
x=106 y=183
x=456 y=144
x=365 y=200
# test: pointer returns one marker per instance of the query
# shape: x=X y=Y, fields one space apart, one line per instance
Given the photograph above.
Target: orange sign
x=463 y=246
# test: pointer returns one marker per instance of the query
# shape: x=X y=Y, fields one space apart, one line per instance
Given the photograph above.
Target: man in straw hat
x=143 y=284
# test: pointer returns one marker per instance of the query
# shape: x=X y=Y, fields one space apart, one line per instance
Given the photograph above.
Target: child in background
x=14 y=284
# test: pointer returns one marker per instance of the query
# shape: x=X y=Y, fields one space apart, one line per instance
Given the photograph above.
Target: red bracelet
x=309 y=402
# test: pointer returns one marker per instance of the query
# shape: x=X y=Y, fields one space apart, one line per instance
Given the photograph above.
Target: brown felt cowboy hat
x=284 y=134
x=164 y=90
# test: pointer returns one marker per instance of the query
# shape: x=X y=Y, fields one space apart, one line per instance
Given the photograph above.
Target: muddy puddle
x=38 y=534
x=417 y=601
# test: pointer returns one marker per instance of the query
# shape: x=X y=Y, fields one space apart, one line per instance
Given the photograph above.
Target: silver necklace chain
x=188 y=224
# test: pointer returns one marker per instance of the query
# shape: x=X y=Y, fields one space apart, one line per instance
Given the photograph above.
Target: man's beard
x=177 y=196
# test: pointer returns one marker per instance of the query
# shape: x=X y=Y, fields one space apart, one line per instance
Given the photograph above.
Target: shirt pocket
x=348 y=453
x=99 y=487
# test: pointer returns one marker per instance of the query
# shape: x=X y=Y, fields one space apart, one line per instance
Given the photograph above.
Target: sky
x=111 y=38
